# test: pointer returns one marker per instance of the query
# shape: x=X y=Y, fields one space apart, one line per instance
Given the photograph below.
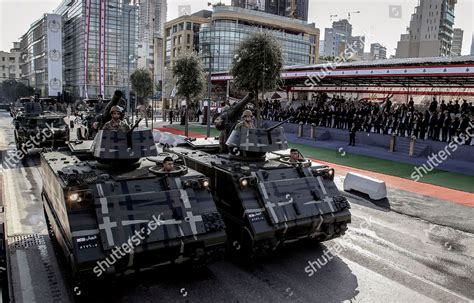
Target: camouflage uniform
x=243 y=124
x=119 y=125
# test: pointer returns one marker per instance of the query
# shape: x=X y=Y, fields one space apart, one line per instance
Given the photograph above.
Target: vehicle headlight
x=331 y=173
x=205 y=183
x=324 y=172
x=247 y=181
x=75 y=197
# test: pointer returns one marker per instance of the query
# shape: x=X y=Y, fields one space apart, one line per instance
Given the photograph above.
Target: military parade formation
x=104 y=189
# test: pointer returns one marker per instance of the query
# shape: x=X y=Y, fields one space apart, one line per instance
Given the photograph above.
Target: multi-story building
x=230 y=25
x=339 y=37
x=357 y=44
x=42 y=55
x=343 y=26
x=456 y=49
x=430 y=33
x=100 y=50
x=10 y=63
x=181 y=34
x=378 y=51
x=297 y=9
x=335 y=41
x=152 y=18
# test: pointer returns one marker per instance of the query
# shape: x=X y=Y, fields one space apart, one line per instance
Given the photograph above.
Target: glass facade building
x=33 y=53
x=219 y=39
x=121 y=30
x=288 y=8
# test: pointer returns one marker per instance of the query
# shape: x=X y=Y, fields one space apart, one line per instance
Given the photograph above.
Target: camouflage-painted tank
x=109 y=195
x=267 y=200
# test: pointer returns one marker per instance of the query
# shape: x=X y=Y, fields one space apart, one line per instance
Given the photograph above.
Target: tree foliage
x=142 y=83
x=190 y=81
x=11 y=90
x=257 y=64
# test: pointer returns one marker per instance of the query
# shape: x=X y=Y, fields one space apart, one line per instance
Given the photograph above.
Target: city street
x=386 y=256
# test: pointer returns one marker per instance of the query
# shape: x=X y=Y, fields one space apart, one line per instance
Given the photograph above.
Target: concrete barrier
x=376 y=189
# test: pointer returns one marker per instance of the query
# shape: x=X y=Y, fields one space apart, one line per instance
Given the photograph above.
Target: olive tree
x=257 y=65
x=142 y=83
x=190 y=82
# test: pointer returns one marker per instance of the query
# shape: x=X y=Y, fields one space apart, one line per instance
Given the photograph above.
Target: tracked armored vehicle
x=109 y=195
x=35 y=128
x=267 y=200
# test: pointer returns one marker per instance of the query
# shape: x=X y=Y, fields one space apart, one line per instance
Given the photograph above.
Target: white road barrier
x=376 y=189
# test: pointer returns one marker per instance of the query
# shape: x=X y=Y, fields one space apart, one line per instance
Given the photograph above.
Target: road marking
x=11 y=203
x=394 y=266
x=27 y=290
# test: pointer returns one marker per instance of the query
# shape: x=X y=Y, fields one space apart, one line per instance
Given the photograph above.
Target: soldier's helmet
x=247 y=112
x=116 y=108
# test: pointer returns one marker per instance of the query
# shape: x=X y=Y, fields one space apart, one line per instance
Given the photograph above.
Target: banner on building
x=102 y=48
x=87 y=21
x=55 y=56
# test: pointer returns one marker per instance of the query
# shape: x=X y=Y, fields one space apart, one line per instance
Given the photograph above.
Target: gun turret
x=278 y=124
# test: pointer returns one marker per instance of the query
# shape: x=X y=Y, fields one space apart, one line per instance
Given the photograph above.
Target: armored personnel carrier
x=18 y=105
x=35 y=128
x=112 y=210
x=267 y=200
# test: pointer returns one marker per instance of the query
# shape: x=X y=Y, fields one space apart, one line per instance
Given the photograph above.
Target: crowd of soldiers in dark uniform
x=438 y=122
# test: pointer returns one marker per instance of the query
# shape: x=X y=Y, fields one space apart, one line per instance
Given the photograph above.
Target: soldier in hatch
x=247 y=122
x=168 y=165
x=296 y=156
x=116 y=123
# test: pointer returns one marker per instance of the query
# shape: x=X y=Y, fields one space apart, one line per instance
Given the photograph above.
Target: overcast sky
x=373 y=21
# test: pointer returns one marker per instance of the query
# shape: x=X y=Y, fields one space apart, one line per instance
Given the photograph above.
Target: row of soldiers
x=400 y=119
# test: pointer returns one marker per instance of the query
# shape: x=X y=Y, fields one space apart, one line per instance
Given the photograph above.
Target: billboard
x=55 y=55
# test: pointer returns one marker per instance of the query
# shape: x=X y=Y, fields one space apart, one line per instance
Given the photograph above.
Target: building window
x=181 y=26
x=188 y=38
x=188 y=26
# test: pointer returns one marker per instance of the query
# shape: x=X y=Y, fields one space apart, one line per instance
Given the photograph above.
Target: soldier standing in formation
x=116 y=123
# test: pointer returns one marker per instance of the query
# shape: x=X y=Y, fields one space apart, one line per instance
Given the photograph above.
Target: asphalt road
x=390 y=254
